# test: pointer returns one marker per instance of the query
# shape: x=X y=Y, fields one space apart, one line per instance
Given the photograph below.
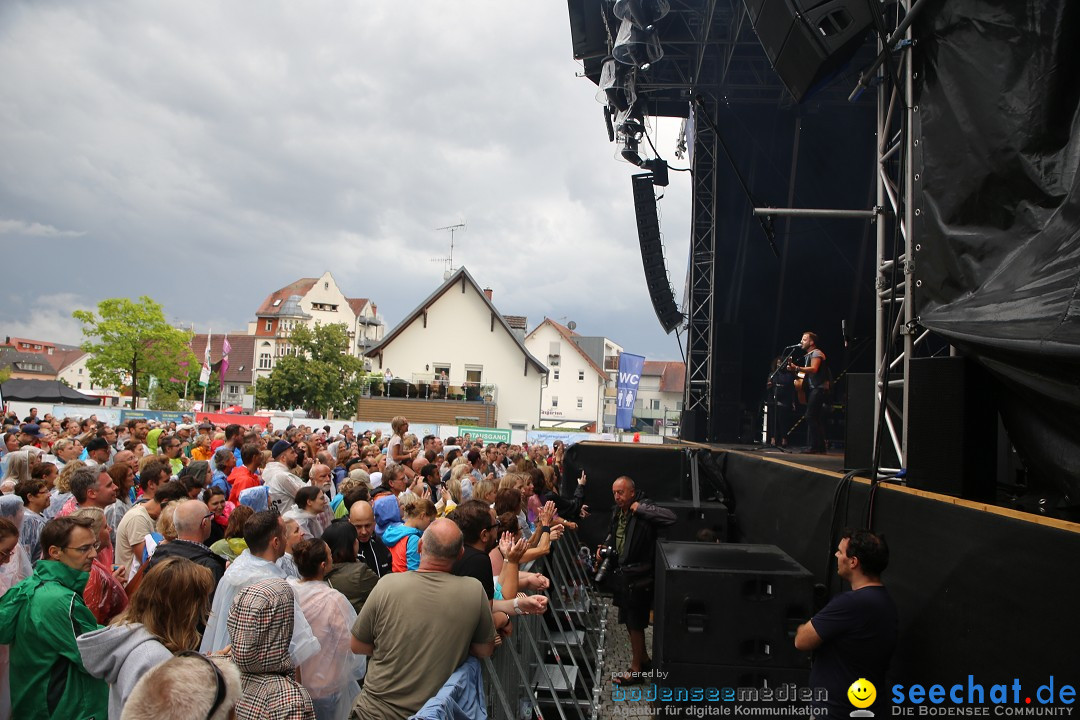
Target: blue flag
x=630 y=367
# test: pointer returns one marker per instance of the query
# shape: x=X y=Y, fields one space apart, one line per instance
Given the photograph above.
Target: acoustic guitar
x=800 y=387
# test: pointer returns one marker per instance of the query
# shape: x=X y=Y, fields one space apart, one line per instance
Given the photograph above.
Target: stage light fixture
x=631 y=121
x=637 y=46
x=642 y=13
x=629 y=150
x=616 y=86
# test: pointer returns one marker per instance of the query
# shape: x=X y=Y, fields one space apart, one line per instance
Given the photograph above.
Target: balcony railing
x=425 y=386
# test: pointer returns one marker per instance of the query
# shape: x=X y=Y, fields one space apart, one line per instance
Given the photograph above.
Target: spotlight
x=637 y=46
x=642 y=13
x=629 y=150
x=630 y=122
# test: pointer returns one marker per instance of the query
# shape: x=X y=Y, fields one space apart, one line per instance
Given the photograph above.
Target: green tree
x=320 y=378
x=130 y=341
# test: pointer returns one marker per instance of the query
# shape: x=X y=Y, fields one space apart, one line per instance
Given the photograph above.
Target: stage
x=982 y=590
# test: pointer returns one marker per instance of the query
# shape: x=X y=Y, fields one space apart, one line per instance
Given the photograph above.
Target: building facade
x=457 y=338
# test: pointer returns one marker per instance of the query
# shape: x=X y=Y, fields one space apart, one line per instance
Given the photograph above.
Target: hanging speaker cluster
x=652 y=254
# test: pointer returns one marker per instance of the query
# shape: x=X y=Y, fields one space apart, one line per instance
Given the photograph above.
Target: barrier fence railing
x=552 y=665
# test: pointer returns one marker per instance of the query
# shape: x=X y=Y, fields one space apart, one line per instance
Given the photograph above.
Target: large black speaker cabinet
x=952 y=428
x=859 y=425
x=728 y=604
x=690 y=520
x=808 y=41
x=952 y=434
x=652 y=254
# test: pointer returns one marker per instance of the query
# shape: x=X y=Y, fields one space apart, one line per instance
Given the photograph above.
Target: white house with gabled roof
x=457 y=332
x=574 y=396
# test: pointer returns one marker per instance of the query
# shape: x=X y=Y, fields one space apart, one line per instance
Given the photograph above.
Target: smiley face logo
x=862 y=693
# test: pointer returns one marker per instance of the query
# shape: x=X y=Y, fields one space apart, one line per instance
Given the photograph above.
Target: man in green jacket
x=40 y=619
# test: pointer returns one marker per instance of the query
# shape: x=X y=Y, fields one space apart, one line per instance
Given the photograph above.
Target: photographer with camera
x=628 y=552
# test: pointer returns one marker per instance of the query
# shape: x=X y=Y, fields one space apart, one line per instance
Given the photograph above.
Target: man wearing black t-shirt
x=819 y=379
x=480 y=530
x=854 y=635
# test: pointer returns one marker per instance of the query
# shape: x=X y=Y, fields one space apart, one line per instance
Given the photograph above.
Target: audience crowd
x=172 y=570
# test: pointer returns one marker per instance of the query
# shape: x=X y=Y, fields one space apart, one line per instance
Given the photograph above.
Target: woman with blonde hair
x=164 y=617
x=396 y=452
x=201 y=448
x=104 y=593
x=61 y=491
x=20 y=464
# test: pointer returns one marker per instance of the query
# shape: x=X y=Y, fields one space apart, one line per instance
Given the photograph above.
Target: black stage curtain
x=997 y=267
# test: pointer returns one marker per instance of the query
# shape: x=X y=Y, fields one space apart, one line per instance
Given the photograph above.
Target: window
x=473 y=373
x=78 y=386
x=269 y=325
x=654 y=404
x=234 y=389
x=580 y=403
x=441 y=369
x=326 y=285
x=581 y=376
x=277 y=302
x=80 y=371
x=554 y=401
x=555 y=374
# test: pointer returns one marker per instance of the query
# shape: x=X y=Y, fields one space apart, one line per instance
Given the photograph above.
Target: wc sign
x=630 y=367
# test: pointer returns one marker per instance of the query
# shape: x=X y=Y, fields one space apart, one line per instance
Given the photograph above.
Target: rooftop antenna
x=449 y=259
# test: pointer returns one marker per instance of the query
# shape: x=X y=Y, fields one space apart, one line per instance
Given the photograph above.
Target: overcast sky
x=208 y=153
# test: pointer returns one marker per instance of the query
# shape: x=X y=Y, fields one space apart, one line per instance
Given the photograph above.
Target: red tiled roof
x=672 y=374
x=300 y=287
x=357 y=305
x=60 y=359
x=241 y=355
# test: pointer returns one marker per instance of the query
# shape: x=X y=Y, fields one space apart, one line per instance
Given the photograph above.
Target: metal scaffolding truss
x=701 y=294
x=897 y=329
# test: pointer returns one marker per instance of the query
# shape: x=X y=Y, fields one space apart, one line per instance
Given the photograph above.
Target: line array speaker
x=652 y=254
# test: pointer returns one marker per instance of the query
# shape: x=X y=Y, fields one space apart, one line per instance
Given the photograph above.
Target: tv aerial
x=448 y=261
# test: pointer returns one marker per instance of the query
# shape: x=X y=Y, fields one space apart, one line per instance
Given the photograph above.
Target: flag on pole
x=204 y=374
x=225 y=348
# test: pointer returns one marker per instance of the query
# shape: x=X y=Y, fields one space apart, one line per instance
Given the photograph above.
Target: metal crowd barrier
x=553 y=665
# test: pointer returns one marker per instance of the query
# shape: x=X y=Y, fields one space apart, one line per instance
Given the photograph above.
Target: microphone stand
x=774 y=402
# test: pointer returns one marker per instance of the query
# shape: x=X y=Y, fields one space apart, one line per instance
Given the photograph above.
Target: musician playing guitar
x=815 y=369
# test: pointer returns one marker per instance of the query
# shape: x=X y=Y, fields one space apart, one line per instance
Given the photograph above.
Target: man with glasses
x=40 y=619
x=170 y=447
x=192 y=521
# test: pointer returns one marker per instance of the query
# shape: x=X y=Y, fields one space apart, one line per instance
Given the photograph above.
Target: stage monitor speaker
x=952 y=428
x=690 y=520
x=809 y=41
x=952 y=432
x=859 y=424
x=728 y=604
x=652 y=254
